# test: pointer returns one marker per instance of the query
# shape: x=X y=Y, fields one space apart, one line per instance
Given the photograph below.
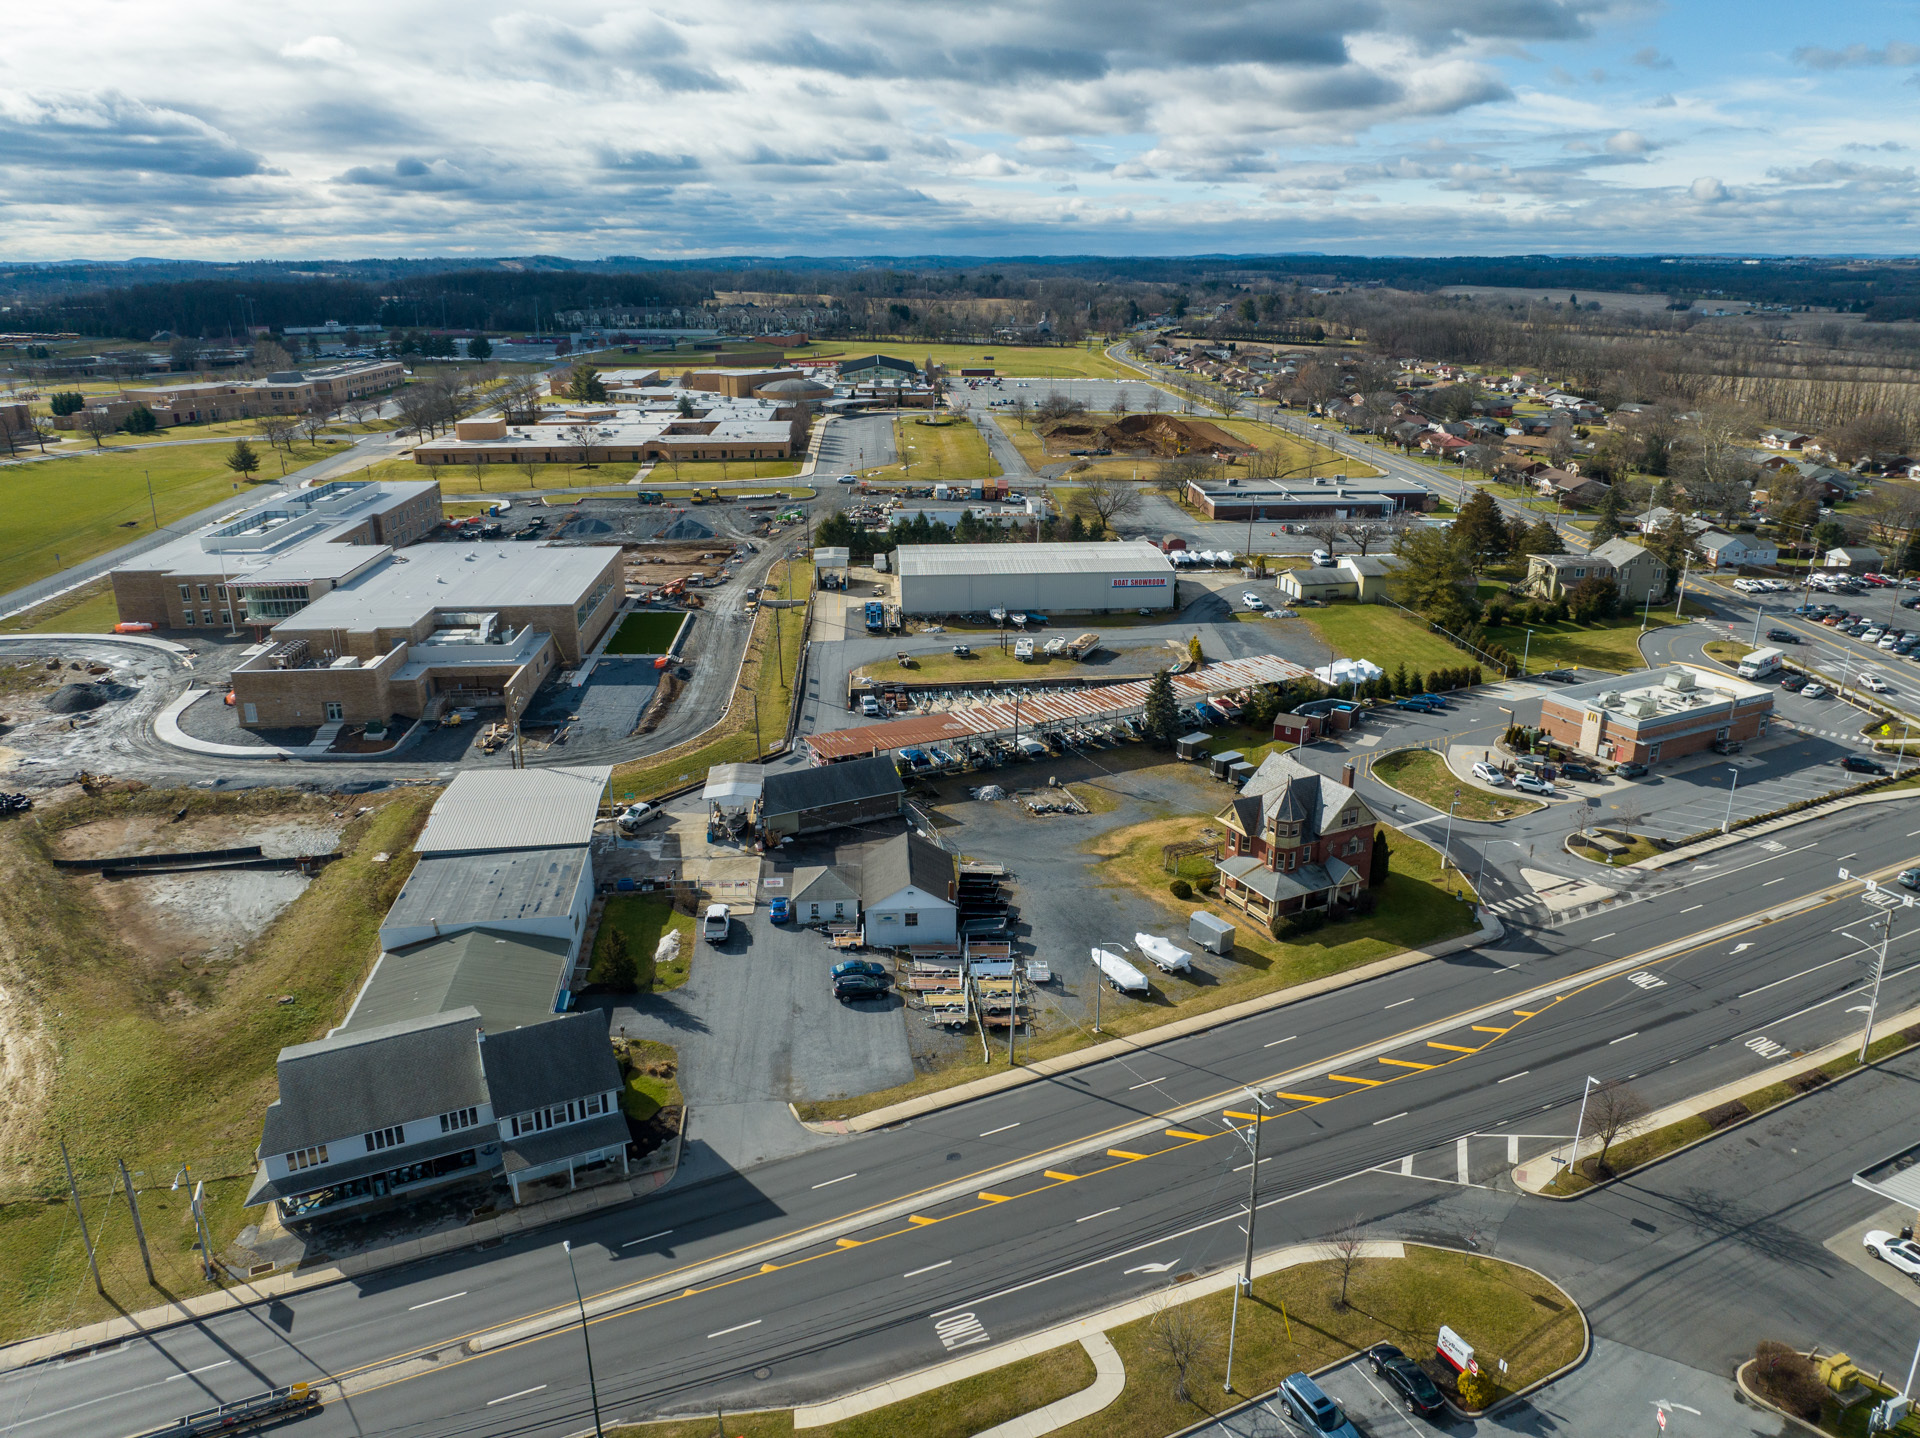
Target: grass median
x=90 y=609
x=766 y=676
x=939 y=448
x=1424 y=775
x=1613 y=646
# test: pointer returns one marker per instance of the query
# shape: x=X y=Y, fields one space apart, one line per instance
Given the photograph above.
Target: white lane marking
x=1151 y=1268
x=1397 y=1002
x=832 y=1181
x=737 y=1328
x=1511 y=1077
x=928 y=1269
x=1402 y=1114
x=175 y=1378
x=648 y=1239
x=1844 y=857
x=1696 y=906
x=1801 y=975
x=988 y=1134
x=1623 y=1038
x=1781 y=880
x=1101 y=1214
x=1277 y=1042
x=431 y=1301
x=491 y=1402
x=1148 y=1084
x=1598 y=937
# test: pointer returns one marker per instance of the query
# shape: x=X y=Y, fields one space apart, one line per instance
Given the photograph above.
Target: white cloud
x=1627 y=142
x=319 y=47
x=1707 y=190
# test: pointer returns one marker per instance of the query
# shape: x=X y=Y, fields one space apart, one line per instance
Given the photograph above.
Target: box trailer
x=1118 y=972
x=1213 y=934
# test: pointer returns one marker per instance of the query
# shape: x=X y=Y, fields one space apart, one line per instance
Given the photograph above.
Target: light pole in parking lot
x=1526 y=652
x=1728 y=821
x=1480 y=872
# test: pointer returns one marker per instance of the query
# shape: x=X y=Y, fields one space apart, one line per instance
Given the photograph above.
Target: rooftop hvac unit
x=1643 y=708
x=1681 y=679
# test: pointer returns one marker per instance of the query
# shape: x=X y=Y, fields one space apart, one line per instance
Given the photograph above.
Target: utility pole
x=199 y=1206
x=152 y=508
x=73 y=1190
x=139 y=1230
x=1253 y=1207
x=585 y=1342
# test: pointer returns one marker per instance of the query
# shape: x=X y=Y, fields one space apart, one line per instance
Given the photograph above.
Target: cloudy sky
x=224 y=130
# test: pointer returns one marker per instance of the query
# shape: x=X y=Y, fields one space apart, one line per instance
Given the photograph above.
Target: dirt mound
x=79 y=698
x=592 y=526
x=686 y=529
x=1160 y=435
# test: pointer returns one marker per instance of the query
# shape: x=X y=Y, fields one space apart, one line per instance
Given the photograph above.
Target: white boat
x=998 y=616
x=1164 y=952
x=1118 y=972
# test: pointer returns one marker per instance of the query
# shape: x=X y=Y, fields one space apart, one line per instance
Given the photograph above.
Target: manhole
x=763 y=1374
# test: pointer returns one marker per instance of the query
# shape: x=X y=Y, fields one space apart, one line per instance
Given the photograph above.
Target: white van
x=1322 y=559
x=1760 y=664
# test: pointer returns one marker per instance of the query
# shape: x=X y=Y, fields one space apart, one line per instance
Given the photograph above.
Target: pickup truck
x=716 y=924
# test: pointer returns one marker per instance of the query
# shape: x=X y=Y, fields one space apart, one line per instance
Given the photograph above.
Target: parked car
x=1902 y=1253
x=1534 y=784
x=849 y=987
x=1308 y=1405
x=780 y=910
x=1581 y=772
x=1252 y=600
x=1783 y=636
x=848 y=479
x=1861 y=764
x=1487 y=774
x=1816 y=690
x=1728 y=746
x=1793 y=682
x=716 y=924
x=1632 y=769
x=1408 y=1379
x=857 y=966
x=870 y=706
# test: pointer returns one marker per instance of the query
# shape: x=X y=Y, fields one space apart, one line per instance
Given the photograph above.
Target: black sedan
x=848 y=987
x=1408 y=1380
x=1783 y=636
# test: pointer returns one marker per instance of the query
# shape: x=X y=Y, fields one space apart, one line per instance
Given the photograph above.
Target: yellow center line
x=1122 y=1153
x=1487 y=1029
x=998 y=1197
x=1061 y=1177
x=848 y=1242
x=1303 y=1097
x=915 y=1218
x=1527 y=1013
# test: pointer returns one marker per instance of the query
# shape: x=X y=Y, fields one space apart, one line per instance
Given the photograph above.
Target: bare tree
x=1892 y=512
x=1172 y=477
x=413 y=405
x=1344 y=1248
x=42 y=430
x=94 y=420
x=269 y=357
x=1153 y=402
x=314 y=418
x=1179 y=1335
x=1108 y=500
x=1614 y=1112
x=576 y=434
x=531 y=466
x=1367 y=532
x=1328 y=531
x=477 y=462
x=1121 y=404
x=1228 y=402
x=277 y=430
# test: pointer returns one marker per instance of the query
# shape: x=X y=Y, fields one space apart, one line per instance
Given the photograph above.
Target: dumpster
x=1212 y=934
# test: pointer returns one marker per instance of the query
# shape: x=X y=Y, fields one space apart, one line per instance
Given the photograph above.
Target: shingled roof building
x=908 y=889
x=807 y=801
x=371 y=1116
x=1296 y=841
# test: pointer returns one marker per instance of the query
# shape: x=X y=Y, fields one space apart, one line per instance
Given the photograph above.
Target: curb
x=1771 y=826
x=29 y=1352
x=1752 y=1396
x=1912 y=1015
x=1149 y=1038
x=1373 y=774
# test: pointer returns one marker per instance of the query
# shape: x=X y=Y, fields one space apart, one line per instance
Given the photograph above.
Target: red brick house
x=1296 y=841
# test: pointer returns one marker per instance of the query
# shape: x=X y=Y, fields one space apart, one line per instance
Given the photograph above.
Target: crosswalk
x=1845 y=736
x=1474 y=1160
x=1527 y=908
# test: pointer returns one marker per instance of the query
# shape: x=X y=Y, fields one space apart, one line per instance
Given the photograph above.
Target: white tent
x=1348 y=671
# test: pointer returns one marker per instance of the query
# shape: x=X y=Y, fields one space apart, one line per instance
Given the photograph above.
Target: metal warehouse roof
x=1044 y=707
x=492 y=809
x=512 y=979
x=918 y=561
x=456 y=890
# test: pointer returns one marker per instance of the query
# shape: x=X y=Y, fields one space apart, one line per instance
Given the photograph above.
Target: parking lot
x=851 y=443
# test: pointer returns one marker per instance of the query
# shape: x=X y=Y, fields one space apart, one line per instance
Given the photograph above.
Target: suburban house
x=909 y=889
x=373 y=1116
x=1638 y=573
x=1296 y=841
x=822 y=896
x=1568 y=487
x=809 y=801
x=1657 y=519
x=1554 y=576
x=1656 y=714
x=1852 y=556
x=1731 y=551
x=1784 y=439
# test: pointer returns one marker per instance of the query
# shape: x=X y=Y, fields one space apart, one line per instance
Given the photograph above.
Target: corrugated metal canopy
x=734 y=783
x=494 y=809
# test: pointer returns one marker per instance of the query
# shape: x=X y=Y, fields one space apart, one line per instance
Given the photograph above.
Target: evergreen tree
x=1828 y=534
x=1671 y=542
x=479 y=347
x=1482 y=528
x=141 y=421
x=67 y=402
x=1908 y=560
x=617 y=969
x=585 y=383
x=1434 y=686
x=1163 y=711
x=241 y=459
x=1542 y=538
x=1436 y=576
x=1415 y=684
x=1400 y=678
x=1612 y=505
x=1378 y=873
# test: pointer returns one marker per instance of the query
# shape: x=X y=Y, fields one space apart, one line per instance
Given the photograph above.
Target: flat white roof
x=914 y=561
x=488 y=809
x=456 y=576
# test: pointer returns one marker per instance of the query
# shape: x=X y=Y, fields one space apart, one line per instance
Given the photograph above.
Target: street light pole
x=1579 y=1125
x=1526 y=651
x=1727 y=822
x=1680 y=593
x=1446 y=846
x=592 y=1387
x=1879 y=972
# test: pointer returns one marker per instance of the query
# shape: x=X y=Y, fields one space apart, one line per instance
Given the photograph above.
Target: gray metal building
x=1042 y=578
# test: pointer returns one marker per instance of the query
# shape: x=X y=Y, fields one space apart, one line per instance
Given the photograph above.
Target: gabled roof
x=1621 y=552
x=512 y=979
x=353 y=1082
x=902 y=861
x=1290 y=792
x=549 y=1063
x=819 y=884
x=486 y=809
x=789 y=791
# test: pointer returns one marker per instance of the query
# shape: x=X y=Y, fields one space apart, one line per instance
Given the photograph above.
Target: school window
x=203 y=591
x=226 y=616
x=306 y=1157
x=385 y=1138
x=206 y=616
x=186 y=618
x=185 y=592
x=460 y=1118
x=335 y=711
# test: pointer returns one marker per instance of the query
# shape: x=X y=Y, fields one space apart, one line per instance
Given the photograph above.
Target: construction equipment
x=296 y=1401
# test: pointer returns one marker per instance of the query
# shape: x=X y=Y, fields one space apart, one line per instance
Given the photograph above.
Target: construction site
x=1146 y=436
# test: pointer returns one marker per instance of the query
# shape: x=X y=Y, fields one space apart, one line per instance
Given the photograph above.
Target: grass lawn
x=164 y=1064
x=504 y=478
x=1387 y=636
x=1425 y=776
x=78 y=506
x=989 y=663
x=1415 y=909
x=1613 y=646
x=645 y=920
x=954 y=449
x=1295 y=1322
x=970 y=1406
x=1024 y=361
x=763 y=676
x=645 y=631
x=90 y=609
x=1253 y=744
x=650 y=1085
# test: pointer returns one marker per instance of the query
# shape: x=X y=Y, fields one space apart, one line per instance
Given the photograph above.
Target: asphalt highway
x=809 y=1276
